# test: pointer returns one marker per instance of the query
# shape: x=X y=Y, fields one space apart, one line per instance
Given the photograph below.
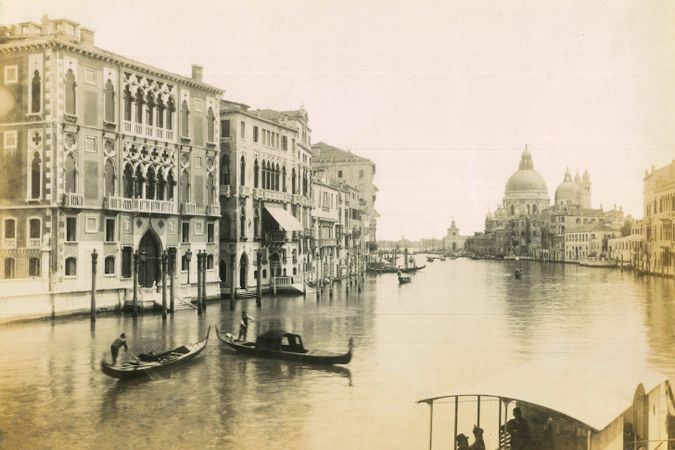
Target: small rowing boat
x=151 y=362
x=280 y=344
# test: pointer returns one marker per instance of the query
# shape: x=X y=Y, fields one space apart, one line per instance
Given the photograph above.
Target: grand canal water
x=456 y=321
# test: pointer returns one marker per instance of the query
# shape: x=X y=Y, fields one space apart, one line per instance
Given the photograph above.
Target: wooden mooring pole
x=94 y=258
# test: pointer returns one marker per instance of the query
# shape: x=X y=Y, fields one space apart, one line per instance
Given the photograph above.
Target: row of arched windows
x=10 y=267
x=157 y=113
x=153 y=185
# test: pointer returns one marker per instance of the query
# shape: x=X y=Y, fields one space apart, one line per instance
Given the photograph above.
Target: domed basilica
x=527 y=224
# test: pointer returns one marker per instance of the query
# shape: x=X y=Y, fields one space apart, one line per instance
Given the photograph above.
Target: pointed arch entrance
x=149 y=249
x=243 y=271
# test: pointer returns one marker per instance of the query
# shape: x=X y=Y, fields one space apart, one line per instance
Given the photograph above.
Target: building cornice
x=260 y=119
x=104 y=55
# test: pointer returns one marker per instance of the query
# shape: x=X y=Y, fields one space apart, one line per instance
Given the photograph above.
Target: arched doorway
x=243 y=271
x=275 y=264
x=148 y=268
x=223 y=271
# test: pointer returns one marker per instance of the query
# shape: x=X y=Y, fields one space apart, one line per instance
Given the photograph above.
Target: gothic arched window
x=36 y=91
x=243 y=171
x=35 y=176
x=256 y=223
x=255 y=174
x=150 y=183
x=185 y=119
x=127 y=104
x=70 y=92
x=224 y=170
x=210 y=126
x=128 y=181
x=170 y=183
x=160 y=112
x=138 y=182
x=161 y=186
x=109 y=101
x=150 y=110
x=277 y=174
x=109 y=178
x=170 y=109
x=71 y=174
x=139 y=106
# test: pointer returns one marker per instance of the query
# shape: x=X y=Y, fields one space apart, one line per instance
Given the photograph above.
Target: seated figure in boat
x=151 y=356
x=462 y=442
x=478 y=443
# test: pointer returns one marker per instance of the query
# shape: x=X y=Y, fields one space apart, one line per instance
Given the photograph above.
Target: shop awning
x=284 y=218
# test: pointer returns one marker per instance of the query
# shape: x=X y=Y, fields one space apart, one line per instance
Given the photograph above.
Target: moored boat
x=411 y=269
x=146 y=364
x=281 y=344
x=402 y=279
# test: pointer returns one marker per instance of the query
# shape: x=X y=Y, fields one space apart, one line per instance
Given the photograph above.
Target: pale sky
x=442 y=96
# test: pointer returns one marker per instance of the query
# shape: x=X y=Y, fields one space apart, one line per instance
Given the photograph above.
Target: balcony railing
x=225 y=191
x=188 y=208
x=327 y=242
x=34 y=242
x=9 y=243
x=148 y=131
x=138 y=204
x=267 y=194
x=71 y=200
x=213 y=210
x=309 y=233
x=275 y=237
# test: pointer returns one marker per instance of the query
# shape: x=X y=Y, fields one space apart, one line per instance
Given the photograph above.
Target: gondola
x=152 y=362
x=403 y=280
x=280 y=344
x=411 y=269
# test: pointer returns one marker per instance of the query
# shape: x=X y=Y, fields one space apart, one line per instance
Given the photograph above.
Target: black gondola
x=280 y=344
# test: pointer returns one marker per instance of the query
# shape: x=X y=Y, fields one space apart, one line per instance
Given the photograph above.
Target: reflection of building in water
x=525 y=224
x=99 y=152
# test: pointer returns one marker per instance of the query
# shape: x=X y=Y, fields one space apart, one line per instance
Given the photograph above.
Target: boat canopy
x=594 y=396
x=284 y=218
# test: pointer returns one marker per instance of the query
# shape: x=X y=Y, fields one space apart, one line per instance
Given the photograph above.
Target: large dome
x=567 y=191
x=526 y=179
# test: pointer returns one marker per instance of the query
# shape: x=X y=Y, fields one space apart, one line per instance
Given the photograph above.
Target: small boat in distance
x=518 y=274
x=281 y=344
x=146 y=364
x=402 y=279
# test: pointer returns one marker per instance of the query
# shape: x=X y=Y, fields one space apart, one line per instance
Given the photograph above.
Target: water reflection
x=456 y=321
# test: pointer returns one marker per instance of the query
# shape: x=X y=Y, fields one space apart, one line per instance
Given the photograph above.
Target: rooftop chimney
x=197 y=72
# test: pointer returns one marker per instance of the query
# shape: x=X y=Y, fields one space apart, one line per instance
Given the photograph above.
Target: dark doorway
x=243 y=271
x=148 y=269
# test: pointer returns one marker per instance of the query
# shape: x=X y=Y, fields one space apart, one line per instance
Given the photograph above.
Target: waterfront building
x=453 y=241
x=628 y=250
x=589 y=241
x=356 y=171
x=100 y=153
x=265 y=195
x=659 y=216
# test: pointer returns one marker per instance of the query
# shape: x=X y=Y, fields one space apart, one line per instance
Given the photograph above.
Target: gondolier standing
x=115 y=347
x=243 y=325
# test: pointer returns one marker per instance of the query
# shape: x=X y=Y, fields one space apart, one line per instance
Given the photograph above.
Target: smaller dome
x=567 y=191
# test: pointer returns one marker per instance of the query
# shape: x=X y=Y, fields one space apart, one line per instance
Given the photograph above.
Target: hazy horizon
x=442 y=96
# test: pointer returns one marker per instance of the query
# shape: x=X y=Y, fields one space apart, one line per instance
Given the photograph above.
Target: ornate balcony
x=245 y=191
x=213 y=210
x=268 y=194
x=147 y=131
x=9 y=243
x=327 y=242
x=71 y=200
x=34 y=242
x=225 y=191
x=188 y=208
x=275 y=237
x=138 y=205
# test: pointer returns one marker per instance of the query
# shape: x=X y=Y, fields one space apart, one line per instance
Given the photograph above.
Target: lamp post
x=163 y=270
x=172 y=273
x=188 y=258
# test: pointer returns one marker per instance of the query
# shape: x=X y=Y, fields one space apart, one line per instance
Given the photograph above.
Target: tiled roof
x=324 y=153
